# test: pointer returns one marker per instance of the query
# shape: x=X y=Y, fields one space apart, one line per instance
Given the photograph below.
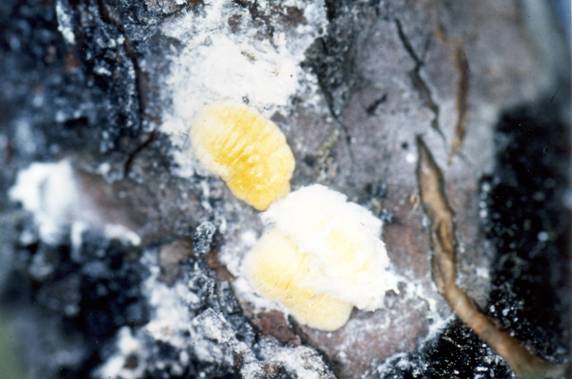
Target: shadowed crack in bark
x=419 y=84
x=443 y=264
x=133 y=155
x=372 y=108
x=340 y=125
x=140 y=83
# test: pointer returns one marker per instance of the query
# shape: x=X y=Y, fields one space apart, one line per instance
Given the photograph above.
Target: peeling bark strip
x=462 y=65
x=443 y=263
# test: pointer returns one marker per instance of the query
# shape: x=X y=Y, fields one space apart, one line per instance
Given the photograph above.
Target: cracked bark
x=417 y=79
x=133 y=155
x=444 y=261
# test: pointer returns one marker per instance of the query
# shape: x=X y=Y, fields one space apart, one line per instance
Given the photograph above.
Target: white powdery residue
x=301 y=361
x=76 y=231
x=170 y=323
x=293 y=361
x=441 y=316
x=342 y=240
x=231 y=255
x=117 y=231
x=219 y=64
x=229 y=70
x=25 y=138
x=110 y=231
x=48 y=191
x=171 y=315
x=51 y=193
x=115 y=367
x=214 y=340
x=483 y=272
x=438 y=311
x=64 y=23
x=410 y=158
x=420 y=302
x=245 y=292
x=232 y=252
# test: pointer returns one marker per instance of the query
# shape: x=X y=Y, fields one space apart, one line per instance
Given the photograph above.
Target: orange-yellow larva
x=278 y=269
x=320 y=256
x=248 y=151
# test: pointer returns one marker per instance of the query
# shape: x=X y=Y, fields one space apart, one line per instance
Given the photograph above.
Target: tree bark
x=484 y=83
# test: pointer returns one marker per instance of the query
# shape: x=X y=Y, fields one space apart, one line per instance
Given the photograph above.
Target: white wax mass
x=340 y=241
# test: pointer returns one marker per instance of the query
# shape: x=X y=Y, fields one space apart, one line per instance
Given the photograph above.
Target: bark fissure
x=133 y=155
x=372 y=108
x=339 y=123
x=443 y=263
x=419 y=83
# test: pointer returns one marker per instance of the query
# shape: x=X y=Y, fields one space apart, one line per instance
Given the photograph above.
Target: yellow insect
x=248 y=151
x=277 y=269
x=320 y=256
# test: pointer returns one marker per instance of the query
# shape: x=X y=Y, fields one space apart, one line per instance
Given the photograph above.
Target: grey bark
x=388 y=71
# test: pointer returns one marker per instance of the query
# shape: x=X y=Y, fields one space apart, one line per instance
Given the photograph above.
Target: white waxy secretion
x=320 y=256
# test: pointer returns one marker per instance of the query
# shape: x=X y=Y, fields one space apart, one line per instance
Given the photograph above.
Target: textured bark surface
x=486 y=83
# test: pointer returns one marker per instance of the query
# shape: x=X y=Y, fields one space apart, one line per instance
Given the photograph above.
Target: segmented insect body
x=320 y=257
x=277 y=269
x=248 y=151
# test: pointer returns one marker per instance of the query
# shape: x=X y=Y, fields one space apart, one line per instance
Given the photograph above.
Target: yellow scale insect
x=276 y=268
x=320 y=255
x=248 y=151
